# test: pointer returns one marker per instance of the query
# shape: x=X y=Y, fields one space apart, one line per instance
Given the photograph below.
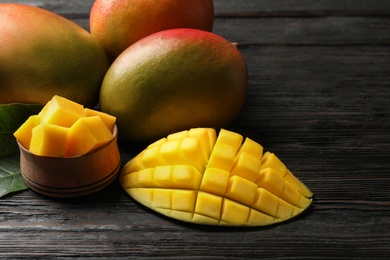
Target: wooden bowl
x=73 y=176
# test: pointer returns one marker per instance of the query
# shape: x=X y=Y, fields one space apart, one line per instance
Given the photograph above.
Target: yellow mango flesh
x=62 y=112
x=64 y=128
x=199 y=177
x=109 y=120
x=24 y=132
x=49 y=140
x=87 y=134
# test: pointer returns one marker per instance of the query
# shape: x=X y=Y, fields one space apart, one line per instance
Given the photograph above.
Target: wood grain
x=318 y=97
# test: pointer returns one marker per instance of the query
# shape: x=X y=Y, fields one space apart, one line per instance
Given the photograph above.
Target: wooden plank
x=303 y=8
x=303 y=31
x=267 y=8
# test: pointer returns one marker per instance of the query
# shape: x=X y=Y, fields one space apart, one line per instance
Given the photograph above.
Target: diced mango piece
x=241 y=190
x=151 y=157
x=215 y=181
x=246 y=166
x=191 y=150
x=170 y=152
x=225 y=150
x=186 y=177
x=184 y=200
x=163 y=176
x=271 y=181
x=251 y=147
x=234 y=212
x=266 y=202
x=49 y=140
x=108 y=120
x=230 y=138
x=144 y=178
x=270 y=160
x=24 y=132
x=208 y=205
x=212 y=137
x=162 y=198
x=297 y=184
x=203 y=135
x=197 y=177
x=62 y=112
x=285 y=210
x=222 y=157
x=87 y=134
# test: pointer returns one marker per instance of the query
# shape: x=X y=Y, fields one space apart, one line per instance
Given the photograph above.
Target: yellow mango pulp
x=49 y=140
x=199 y=177
x=109 y=120
x=64 y=128
x=62 y=112
x=24 y=132
x=87 y=134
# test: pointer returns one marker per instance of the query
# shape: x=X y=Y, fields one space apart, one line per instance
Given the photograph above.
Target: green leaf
x=12 y=116
x=11 y=179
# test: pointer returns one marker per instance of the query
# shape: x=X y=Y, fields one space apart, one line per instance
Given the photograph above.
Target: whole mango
x=118 y=24
x=174 y=80
x=43 y=54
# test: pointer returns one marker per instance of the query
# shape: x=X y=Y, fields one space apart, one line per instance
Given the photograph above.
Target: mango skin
x=174 y=80
x=43 y=54
x=118 y=24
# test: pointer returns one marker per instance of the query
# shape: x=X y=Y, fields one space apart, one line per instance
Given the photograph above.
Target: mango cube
x=197 y=177
x=109 y=120
x=215 y=181
x=208 y=204
x=87 y=134
x=49 y=140
x=62 y=112
x=24 y=132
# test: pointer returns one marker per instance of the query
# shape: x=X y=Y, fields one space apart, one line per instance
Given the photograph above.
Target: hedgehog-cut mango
x=196 y=176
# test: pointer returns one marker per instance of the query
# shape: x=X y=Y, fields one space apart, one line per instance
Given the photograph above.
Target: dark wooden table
x=319 y=97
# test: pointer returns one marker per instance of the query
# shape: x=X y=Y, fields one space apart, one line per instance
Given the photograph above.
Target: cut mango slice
x=196 y=176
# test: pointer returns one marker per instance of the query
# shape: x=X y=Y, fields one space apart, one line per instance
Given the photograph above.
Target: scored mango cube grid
x=199 y=177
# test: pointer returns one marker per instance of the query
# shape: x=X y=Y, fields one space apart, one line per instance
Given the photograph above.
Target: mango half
x=196 y=176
